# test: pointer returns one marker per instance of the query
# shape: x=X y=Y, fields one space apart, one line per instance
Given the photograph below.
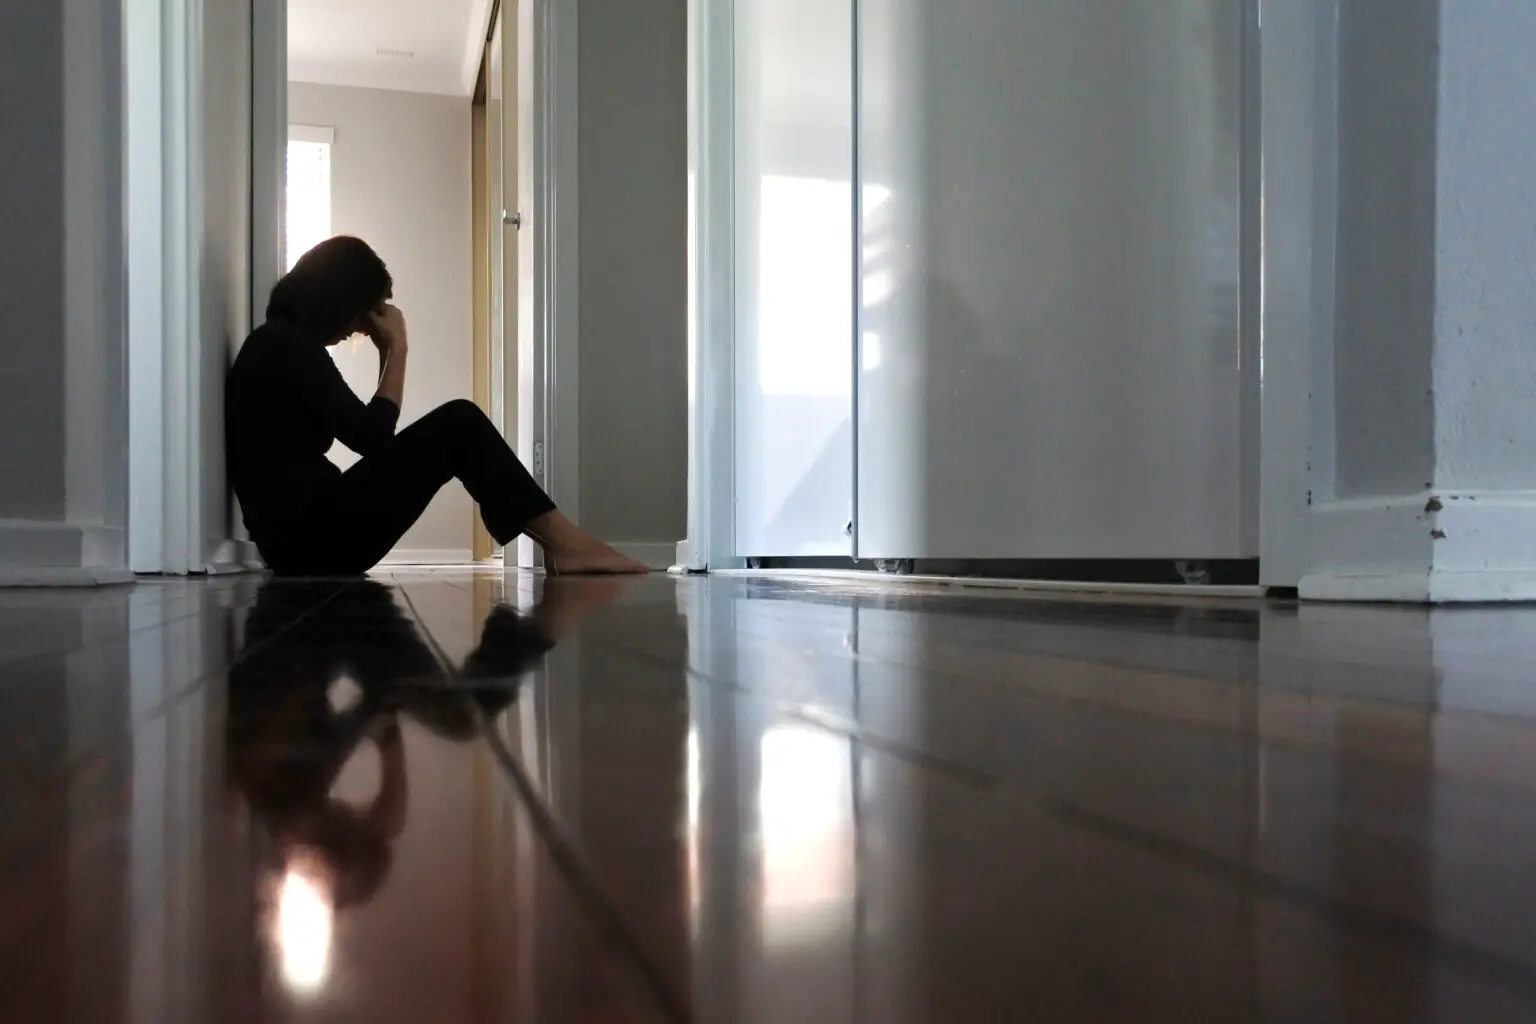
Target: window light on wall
x=308 y=191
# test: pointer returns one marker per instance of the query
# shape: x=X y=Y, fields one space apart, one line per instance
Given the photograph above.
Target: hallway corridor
x=445 y=796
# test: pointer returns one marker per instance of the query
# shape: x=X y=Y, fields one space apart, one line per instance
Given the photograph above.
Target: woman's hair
x=330 y=287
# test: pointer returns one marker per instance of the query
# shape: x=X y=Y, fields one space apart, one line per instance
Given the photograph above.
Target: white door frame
x=538 y=219
x=711 y=286
x=163 y=72
x=163 y=138
x=269 y=178
x=1299 y=63
x=548 y=184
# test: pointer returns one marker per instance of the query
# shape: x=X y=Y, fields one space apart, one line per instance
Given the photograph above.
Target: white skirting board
x=56 y=554
x=1226 y=591
x=1465 y=547
x=58 y=576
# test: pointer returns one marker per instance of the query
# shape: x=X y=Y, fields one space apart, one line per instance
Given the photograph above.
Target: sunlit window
x=308 y=195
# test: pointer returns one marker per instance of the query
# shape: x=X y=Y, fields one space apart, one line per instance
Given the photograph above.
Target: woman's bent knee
x=462 y=414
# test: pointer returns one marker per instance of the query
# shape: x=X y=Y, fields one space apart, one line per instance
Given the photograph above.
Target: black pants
x=354 y=523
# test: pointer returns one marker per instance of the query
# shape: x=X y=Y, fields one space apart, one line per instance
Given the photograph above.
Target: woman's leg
x=382 y=496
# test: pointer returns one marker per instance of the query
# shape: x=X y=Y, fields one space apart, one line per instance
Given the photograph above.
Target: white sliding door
x=793 y=277
x=992 y=279
x=1052 y=361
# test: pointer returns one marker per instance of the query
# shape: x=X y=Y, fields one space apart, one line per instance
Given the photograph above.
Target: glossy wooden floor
x=445 y=797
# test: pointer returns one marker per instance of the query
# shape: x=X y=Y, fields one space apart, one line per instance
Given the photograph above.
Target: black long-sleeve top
x=285 y=404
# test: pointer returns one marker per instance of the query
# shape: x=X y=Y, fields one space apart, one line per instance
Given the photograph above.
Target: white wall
x=1435 y=299
x=31 y=256
x=400 y=180
x=1485 y=288
x=1386 y=246
x=1434 y=421
x=62 y=284
x=633 y=273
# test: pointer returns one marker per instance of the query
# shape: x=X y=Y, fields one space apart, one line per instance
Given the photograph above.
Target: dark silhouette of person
x=287 y=740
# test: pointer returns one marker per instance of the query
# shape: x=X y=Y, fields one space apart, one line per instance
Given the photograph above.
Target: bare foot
x=595 y=559
x=571 y=551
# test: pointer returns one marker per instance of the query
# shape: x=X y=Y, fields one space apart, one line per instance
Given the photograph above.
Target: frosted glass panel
x=794 y=272
x=1050 y=361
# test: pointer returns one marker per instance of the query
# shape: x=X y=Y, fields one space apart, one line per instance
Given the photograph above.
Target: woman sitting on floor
x=286 y=403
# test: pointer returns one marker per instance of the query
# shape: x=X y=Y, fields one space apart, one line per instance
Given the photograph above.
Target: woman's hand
x=386 y=328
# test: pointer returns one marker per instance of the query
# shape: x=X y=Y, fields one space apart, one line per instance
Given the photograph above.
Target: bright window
x=308 y=198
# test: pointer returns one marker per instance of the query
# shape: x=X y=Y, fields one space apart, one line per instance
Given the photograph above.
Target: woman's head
x=332 y=288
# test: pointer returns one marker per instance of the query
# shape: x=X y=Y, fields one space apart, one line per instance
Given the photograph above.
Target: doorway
x=210 y=116
x=528 y=247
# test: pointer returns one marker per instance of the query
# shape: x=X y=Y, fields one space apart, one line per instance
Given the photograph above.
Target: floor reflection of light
x=692 y=784
x=302 y=930
x=805 y=806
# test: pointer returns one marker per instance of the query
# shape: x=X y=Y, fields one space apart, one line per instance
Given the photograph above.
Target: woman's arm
x=387 y=332
x=362 y=428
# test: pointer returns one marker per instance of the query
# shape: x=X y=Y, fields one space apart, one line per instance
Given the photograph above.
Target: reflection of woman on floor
x=287 y=743
x=286 y=403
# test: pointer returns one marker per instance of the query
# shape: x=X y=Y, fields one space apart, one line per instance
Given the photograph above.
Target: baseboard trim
x=30 y=544
x=64 y=576
x=1372 y=537
x=1465 y=547
x=875 y=579
x=36 y=553
x=652 y=555
x=1491 y=587
x=430 y=556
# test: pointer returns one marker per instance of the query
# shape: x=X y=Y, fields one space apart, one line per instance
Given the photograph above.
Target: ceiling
x=413 y=45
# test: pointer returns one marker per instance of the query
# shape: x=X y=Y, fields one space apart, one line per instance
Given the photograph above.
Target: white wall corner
x=474 y=43
x=1432 y=548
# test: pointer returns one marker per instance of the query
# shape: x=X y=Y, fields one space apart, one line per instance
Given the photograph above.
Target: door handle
x=512 y=220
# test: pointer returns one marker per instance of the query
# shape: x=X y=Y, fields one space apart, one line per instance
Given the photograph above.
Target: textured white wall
x=1386 y=246
x=400 y=180
x=1436 y=386
x=1485 y=292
